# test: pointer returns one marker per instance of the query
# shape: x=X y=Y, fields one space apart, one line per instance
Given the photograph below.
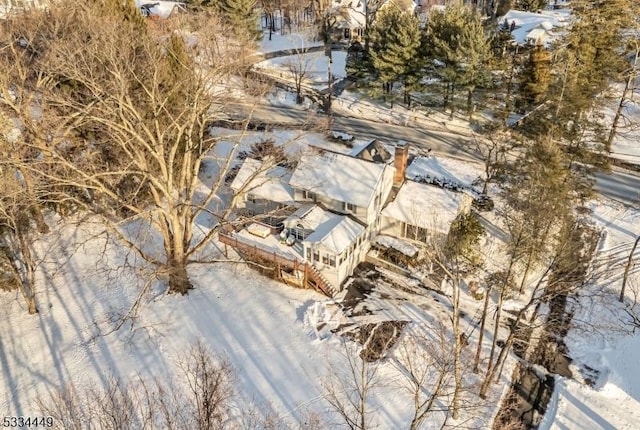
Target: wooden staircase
x=319 y=282
x=313 y=277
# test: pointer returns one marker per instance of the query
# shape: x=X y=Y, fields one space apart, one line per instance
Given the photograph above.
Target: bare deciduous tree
x=300 y=66
x=348 y=390
x=427 y=364
x=116 y=120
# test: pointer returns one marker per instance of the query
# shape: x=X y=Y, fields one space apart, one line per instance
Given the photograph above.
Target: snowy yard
x=287 y=344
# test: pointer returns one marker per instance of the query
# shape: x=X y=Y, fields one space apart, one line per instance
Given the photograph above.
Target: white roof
x=270 y=184
x=445 y=169
x=425 y=206
x=161 y=8
x=339 y=177
x=538 y=35
x=334 y=232
x=527 y=21
x=354 y=12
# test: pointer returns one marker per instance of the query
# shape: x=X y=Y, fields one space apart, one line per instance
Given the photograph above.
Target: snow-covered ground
x=275 y=336
x=271 y=333
x=600 y=341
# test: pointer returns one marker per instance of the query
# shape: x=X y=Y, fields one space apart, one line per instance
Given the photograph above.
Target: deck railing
x=312 y=277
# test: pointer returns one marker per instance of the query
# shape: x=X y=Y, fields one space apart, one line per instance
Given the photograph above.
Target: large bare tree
x=115 y=116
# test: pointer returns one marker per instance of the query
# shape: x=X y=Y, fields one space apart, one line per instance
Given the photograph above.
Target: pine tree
x=532 y=5
x=125 y=10
x=243 y=18
x=589 y=60
x=395 y=40
x=455 y=40
x=534 y=78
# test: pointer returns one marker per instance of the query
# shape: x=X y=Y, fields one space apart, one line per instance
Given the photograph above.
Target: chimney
x=400 y=162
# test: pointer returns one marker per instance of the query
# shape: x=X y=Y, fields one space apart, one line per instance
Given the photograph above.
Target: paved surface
x=620 y=185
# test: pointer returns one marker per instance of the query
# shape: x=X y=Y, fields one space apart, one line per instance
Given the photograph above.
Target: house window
x=325 y=258
x=332 y=261
x=308 y=195
x=416 y=233
x=348 y=207
x=316 y=256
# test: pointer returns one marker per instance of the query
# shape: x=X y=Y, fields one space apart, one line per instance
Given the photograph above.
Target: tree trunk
x=176 y=244
x=496 y=329
x=525 y=275
x=28 y=283
x=626 y=269
x=35 y=210
x=483 y=320
x=628 y=85
x=178 y=278
x=457 y=371
x=445 y=102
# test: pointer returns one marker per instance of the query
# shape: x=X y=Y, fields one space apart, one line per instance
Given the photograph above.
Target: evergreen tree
x=534 y=78
x=123 y=9
x=395 y=40
x=532 y=5
x=589 y=60
x=456 y=44
x=243 y=18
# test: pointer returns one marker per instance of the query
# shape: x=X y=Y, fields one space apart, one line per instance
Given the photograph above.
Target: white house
x=344 y=184
x=535 y=28
x=160 y=8
x=334 y=244
x=339 y=202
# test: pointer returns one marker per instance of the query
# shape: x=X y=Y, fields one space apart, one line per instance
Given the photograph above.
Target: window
x=332 y=261
x=416 y=233
x=308 y=195
x=316 y=256
x=348 y=207
x=325 y=258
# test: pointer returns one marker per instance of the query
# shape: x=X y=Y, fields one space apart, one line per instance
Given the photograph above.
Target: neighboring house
x=160 y=8
x=531 y=28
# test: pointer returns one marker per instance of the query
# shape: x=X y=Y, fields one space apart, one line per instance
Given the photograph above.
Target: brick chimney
x=400 y=162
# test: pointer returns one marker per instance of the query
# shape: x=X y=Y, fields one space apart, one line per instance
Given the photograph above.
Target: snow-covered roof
x=17 y=6
x=425 y=206
x=526 y=22
x=160 y=8
x=334 y=232
x=339 y=177
x=266 y=183
x=447 y=170
x=349 y=14
x=538 y=35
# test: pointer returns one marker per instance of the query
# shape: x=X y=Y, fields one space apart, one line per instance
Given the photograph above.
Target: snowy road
x=620 y=185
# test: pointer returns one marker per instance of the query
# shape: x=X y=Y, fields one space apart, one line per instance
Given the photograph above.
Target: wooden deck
x=312 y=278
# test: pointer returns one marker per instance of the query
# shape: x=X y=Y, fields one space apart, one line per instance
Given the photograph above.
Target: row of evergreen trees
x=464 y=51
